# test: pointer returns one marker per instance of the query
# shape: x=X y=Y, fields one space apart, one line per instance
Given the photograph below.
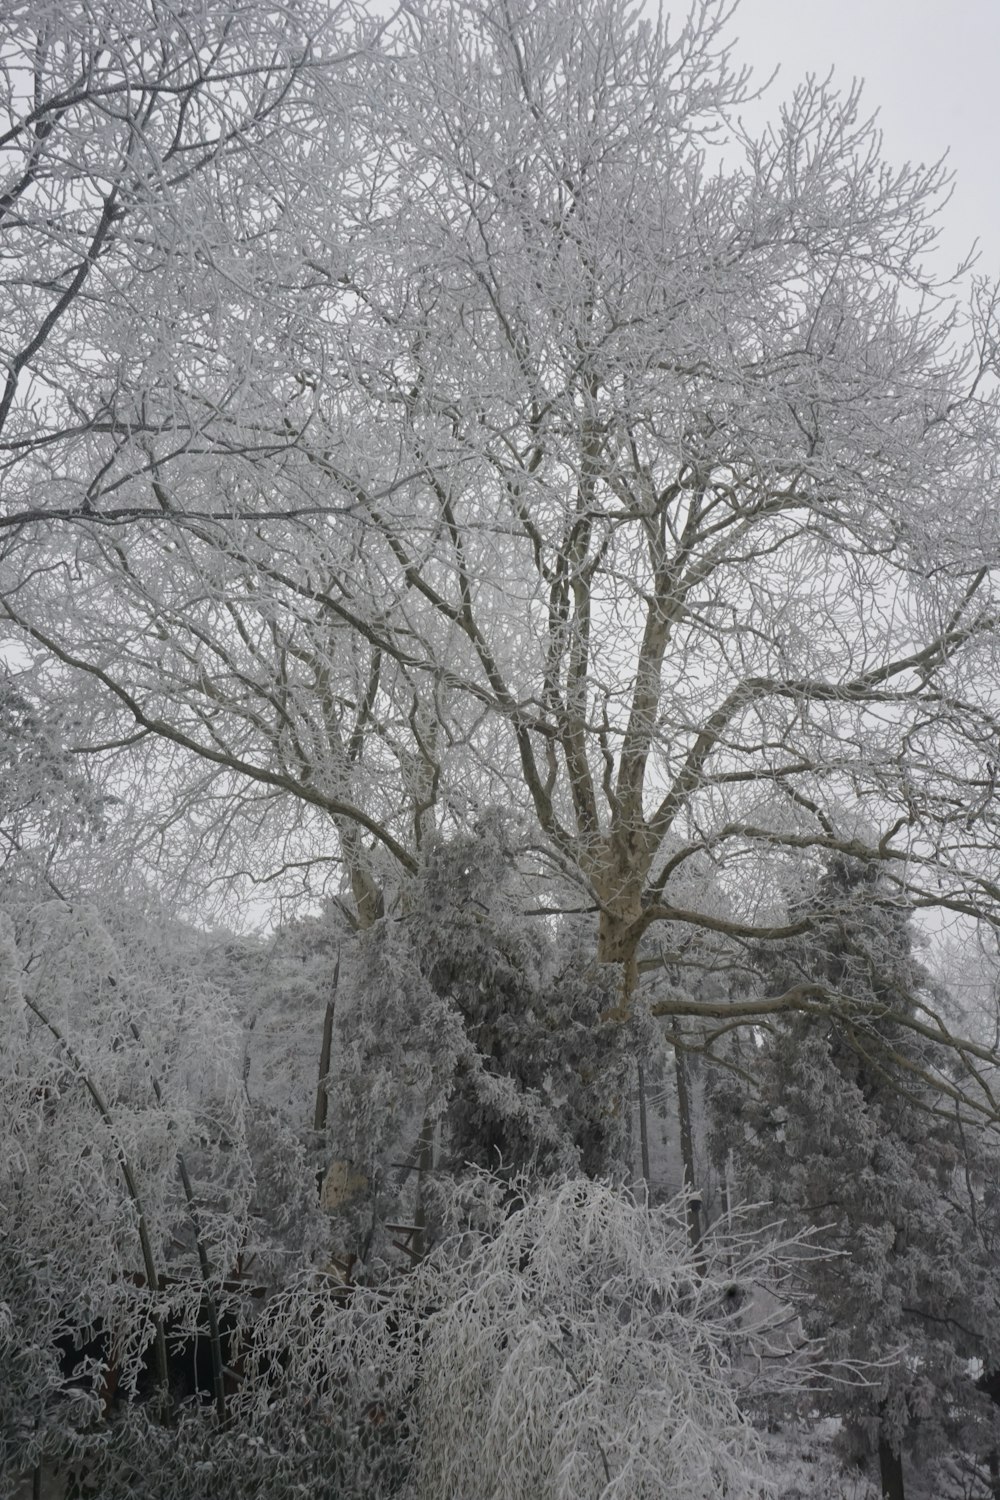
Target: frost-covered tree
x=124 y=1171
x=460 y=410
x=466 y=1019
x=46 y=801
x=565 y=1351
x=589 y=1353
x=405 y=417
x=903 y=1190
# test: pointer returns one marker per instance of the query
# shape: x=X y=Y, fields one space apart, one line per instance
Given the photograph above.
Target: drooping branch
x=128 y=1177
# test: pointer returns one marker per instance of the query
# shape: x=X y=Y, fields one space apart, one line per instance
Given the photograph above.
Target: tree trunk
x=618 y=880
x=325 y=1050
x=425 y=1165
x=993 y=1463
x=325 y=1053
x=890 y=1467
x=643 y=1129
x=617 y=945
x=687 y=1149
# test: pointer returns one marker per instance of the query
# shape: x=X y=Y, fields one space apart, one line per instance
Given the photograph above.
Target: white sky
x=931 y=70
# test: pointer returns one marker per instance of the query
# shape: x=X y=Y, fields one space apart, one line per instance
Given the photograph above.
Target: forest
x=499 y=741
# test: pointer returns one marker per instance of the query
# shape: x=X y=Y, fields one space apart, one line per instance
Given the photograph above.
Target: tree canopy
x=411 y=417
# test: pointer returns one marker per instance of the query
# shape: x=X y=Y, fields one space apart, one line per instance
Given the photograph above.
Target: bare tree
x=485 y=416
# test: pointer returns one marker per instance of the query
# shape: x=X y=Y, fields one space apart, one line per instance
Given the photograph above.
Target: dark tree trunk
x=994 y=1466
x=890 y=1465
x=425 y=1165
x=325 y=1051
x=687 y=1150
x=643 y=1128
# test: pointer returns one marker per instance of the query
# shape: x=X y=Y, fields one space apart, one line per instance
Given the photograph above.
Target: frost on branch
x=46 y=803
x=842 y=1131
x=463 y=1010
x=568 y=1350
x=119 y=1064
x=586 y=1355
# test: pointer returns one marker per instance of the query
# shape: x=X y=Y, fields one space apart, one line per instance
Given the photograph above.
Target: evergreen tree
x=461 y=1012
x=842 y=1135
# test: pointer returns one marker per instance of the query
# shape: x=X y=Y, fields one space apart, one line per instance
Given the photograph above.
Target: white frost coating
x=577 y=1344
x=565 y=1348
x=12 y=1013
x=124 y=1063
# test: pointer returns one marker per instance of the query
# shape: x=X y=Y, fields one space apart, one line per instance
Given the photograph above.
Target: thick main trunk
x=619 y=889
x=618 y=868
x=617 y=945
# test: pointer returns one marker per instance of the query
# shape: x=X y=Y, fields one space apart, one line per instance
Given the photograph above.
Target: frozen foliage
x=551 y=1063
x=46 y=801
x=567 y=1350
x=578 y=1341
x=446 y=411
x=123 y=1153
x=278 y=988
x=904 y=1192
x=402 y=417
x=803 y=1462
x=462 y=1011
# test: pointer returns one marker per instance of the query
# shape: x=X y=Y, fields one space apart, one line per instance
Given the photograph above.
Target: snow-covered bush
x=567 y=1348
x=124 y=1175
x=579 y=1343
x=467 y=1008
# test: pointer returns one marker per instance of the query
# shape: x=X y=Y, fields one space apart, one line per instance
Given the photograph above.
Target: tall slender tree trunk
x=425 y=1166
x=325 y=1055
x=643 y=1128
x=695 y=1231
x=321 y=1107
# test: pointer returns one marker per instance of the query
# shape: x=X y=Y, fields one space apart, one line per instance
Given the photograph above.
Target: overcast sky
x=931 y=69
